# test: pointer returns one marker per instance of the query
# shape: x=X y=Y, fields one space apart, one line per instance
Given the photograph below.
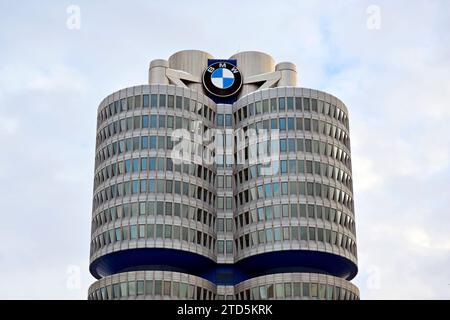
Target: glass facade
x=225 y=212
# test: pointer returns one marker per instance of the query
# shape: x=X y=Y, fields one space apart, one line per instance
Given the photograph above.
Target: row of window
x=247 y=240
x=132 y=289
x=283 y=104
x=225 y=246
x=296 y=290
x=294 y=166
x=296 y=188
x=155 y=101
x=148 y=121
x=262 y=191
x=175 y=289
x=300 y=125
x=144 y=186
x=173 y=122
x=152 y=142
x=281 y=146
x=267 y=213
x=295 y=233
x=151 y=208
x=294 y=211
x=153 y=232
x=224 y=120
x=145 y=164
x=292 y=145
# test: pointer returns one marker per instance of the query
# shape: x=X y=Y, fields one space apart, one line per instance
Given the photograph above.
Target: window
x=229 y=224
x=118 y=234
x=228 y=120
x=296 y=288
x=229 y=246
x=220 y=119
x=142 y=231
x=135 y=187
x=116 y=291
x=149 y=287
x=183 y=290
x=282 y=104
x=220 y=246
x=282 y=124
x=283 y=145
x=154 y=101
x=273 y=124
x=290 y=103
x=144 y=121
x=137 y=102
x=153 y=142
x=314 y=290
x=162 y=121
x=170 y=101
x=159 y=230
x=270 y=292
x=162 y=100
x=229 y=203
x=220 y=224
x=133 y=231
x=291 y=125
x=330 y=290
x=145 y=101
x=167 y=231
x=306 y=290
x=322 y=291
x=140 y=287
x=124 y=289
x=144 y=142
x=132 y=288
x=167 y=284
x=262 y=292
x=279 y=290
x=312 y=234
x=258 y=107
x=260 y=214
x=170 y=122
x=269 y=235
x=283 y=166
x=306 y=106
x=179 y=102
x=153 y=121
x=277 y=233
x=136 y=165
x=303 y=233
x=158 y=287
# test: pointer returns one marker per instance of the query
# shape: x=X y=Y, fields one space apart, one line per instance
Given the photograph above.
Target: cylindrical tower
x=252 y=63
x=295 y=212
x=149 y=211
x=270 y=218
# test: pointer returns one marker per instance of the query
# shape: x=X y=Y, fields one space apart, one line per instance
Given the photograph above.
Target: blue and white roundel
x=222 y=78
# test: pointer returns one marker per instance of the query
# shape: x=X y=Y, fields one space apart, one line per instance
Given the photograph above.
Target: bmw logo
x=222 y=79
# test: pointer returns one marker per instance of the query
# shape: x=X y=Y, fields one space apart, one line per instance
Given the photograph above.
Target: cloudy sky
x=389 y=62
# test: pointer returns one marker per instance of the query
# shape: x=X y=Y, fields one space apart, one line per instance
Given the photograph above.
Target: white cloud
x=8 y=126
x=58 y=78
x=51 y=78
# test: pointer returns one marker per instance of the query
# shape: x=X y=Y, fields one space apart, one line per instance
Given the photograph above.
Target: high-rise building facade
x=221 y=179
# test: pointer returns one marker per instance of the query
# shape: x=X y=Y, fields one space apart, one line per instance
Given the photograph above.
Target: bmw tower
x=222 y=179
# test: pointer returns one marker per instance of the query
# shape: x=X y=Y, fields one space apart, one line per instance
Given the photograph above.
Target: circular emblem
x=222 y=79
